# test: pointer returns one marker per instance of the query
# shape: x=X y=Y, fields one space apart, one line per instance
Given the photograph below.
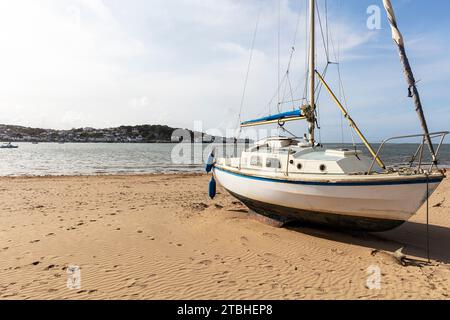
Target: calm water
x=88 y=159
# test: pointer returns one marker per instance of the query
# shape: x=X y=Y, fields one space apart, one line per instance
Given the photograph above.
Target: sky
x=105 y=63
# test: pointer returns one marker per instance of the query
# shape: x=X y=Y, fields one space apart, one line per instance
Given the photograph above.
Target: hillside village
x=122 y=134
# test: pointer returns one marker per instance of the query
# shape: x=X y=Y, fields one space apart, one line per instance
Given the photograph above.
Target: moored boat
x=323 y=186
x=8 y=145
x=290 y=179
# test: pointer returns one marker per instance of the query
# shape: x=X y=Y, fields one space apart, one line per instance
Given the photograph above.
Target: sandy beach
x=161 y=237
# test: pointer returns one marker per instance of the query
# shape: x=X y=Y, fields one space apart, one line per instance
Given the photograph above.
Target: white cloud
x=105 y=63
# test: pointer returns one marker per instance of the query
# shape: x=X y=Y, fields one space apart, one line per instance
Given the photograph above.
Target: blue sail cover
x=281 y=116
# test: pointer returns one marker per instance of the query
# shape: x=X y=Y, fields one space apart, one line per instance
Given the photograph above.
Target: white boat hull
x=368 y=205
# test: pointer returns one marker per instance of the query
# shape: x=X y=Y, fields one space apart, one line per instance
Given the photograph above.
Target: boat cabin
x=292 y=156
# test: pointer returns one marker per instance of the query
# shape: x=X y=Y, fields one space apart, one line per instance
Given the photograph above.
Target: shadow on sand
x=411 y=236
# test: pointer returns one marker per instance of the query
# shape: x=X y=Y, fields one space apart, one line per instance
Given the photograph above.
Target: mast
x=312 y=66
x=413 y=92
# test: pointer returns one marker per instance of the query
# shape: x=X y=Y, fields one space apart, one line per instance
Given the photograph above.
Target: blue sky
x=75 y=63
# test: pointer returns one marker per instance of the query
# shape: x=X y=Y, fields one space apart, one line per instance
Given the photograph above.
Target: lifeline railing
x=419 y=152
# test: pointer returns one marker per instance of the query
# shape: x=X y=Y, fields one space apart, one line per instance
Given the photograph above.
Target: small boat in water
x=8 y=146
x=289 y=179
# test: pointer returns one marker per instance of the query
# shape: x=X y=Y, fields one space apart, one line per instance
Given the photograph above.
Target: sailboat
x=289 y=179
x=8 y=145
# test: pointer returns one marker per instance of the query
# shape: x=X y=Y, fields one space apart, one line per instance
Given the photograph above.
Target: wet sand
x=161 y=237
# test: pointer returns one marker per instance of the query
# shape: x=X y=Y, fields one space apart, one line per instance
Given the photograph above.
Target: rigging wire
x=342 y=88
x=325 y=40
x=326 y=26
x=249 y=64
x=287 y=78
x=322 y=32
x=279 y=36
x=285 y=81
x=305 y=92
x=336 y=52
x=294 y=43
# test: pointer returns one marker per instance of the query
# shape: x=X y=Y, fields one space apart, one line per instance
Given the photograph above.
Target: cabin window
x=299 y=166
x=273 y=163
x=256 y=161
x=323 y=167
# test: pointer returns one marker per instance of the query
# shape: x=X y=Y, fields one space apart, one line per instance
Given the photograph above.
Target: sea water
x=102 y=158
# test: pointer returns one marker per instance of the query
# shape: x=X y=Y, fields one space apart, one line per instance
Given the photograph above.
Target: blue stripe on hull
x=349 y=184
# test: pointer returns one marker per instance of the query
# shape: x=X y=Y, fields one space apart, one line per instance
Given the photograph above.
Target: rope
x=428 y=219
x=287 y=131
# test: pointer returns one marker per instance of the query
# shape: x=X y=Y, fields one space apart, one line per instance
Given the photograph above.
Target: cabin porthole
x=299 y=166
x=323 y=167
x=291 y=162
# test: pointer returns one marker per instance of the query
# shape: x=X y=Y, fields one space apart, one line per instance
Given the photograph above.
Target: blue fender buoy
x=212 y=188
x=210 y=162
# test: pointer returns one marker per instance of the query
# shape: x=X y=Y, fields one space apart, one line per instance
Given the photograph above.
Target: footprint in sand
x=50 y=267
x=271 y=235
x=35 y=241
x=199 y=206
x=131 y=283
x=205 y=262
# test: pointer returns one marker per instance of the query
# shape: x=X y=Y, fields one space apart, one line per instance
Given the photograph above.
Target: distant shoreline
x=93 y=142
x=123 y=134
x=206 y=142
